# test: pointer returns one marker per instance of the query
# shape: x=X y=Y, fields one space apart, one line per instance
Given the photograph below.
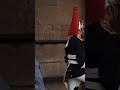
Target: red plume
x=75 y=22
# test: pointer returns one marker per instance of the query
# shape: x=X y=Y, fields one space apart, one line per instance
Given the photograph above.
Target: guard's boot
x=76 y=88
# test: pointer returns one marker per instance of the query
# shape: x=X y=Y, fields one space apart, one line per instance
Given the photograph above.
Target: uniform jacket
x=75 y=47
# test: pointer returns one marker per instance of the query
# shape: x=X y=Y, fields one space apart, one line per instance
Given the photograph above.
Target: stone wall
x=52 y=21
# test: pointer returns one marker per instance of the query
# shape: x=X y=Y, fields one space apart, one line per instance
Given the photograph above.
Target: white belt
x=72 y=62
x=71 y=56
x=75 y=62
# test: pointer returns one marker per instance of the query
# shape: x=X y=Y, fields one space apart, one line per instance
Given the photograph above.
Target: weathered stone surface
x=47 y=15
x=50 y=53
x=41 y=3
x=51 y=35
x=50 y=69
x=53 y=18
x=63 y=67
x=59 y=53
x=45 y=53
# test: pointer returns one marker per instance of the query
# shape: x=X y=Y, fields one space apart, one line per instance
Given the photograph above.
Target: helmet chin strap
x=79 y=36
x=81 y=25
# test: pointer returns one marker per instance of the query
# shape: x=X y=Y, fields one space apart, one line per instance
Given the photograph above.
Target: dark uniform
x=102 y=52
x=75 y=47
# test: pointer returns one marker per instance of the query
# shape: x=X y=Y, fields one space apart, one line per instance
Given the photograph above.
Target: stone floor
x=56 y=84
